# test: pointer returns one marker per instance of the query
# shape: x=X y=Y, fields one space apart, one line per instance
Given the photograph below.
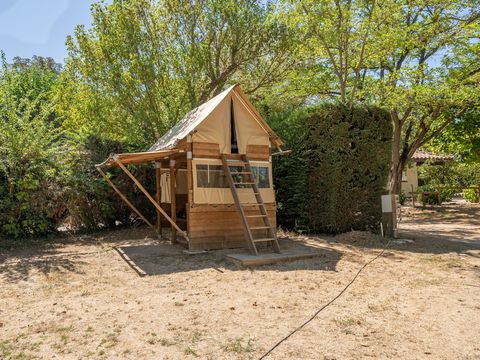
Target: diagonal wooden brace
x=152 y=200
x=124 y=198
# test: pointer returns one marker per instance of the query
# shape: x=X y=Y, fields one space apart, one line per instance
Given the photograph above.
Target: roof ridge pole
x=152 y=200
x=124 y=198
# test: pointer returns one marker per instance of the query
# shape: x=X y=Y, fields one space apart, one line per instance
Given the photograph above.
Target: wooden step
x=259 y=227
x=263 y=240
x=252 y=204
x=256 y=216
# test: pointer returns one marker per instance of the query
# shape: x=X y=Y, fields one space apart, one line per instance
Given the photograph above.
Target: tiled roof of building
x=421 y=156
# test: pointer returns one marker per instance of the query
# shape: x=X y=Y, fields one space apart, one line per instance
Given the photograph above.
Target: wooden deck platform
x=246 y=259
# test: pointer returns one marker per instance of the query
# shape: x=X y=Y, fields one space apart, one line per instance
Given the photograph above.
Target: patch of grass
x=63 y=331
x=110 y=340
x=442 y=261
x=347 y=322
x=239 y=346
x=425 y=282
x=153 y=339
x=166 y=342
x=89 y=329
x=64 y=339
x=5 y=350
x=189 y=351
x=196 y=336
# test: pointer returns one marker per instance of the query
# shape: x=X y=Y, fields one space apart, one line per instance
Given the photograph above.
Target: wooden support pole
x=152 y=200
x=189 y=180
x=158 y=197
x=413 y=196
x=173 y=199
x=135 y=210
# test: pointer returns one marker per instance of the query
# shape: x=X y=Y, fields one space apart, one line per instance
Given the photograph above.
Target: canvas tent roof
x=165 y=146
x=196 y=116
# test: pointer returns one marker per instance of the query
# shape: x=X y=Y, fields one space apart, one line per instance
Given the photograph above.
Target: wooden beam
x=152 y=200
x=135 y=210
x=158 y=196
x=189 y=180
x=173 y=199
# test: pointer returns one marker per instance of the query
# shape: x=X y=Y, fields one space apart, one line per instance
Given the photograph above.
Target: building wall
x=410 y=178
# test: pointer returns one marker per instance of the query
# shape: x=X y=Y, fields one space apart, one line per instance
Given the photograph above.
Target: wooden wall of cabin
x=212 y=151
x=217 y=226
x=220 y=227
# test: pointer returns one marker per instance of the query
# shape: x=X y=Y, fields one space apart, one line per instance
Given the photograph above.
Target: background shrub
x=88 y=200
x=454 y=174
x=432 y=198
x=333 y=179
x=471 y=195
x=450 y=173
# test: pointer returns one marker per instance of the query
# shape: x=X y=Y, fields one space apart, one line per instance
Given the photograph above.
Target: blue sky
x=40 y=27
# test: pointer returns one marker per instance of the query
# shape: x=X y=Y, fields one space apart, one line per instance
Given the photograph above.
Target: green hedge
x=471 y=195
x=338 y=168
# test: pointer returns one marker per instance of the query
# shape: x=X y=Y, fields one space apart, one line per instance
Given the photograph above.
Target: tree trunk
x=396 y=168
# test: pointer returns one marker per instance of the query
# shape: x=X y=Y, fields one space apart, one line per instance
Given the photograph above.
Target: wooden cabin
x=213 y=175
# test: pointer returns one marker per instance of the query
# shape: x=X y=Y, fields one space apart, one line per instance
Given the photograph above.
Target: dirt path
x=452 y=221
x=78 y=299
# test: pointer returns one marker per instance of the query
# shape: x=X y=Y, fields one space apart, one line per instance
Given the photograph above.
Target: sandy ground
x=77 y=298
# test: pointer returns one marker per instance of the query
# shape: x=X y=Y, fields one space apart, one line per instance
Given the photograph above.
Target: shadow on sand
x=22 y=267
x=164 y=258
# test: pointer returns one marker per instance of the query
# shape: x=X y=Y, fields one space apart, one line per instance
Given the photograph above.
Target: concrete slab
x=272 y=258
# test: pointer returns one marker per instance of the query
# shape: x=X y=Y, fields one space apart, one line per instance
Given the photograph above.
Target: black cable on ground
x=329 y=303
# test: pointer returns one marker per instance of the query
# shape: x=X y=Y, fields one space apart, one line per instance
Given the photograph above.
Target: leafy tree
x=461 y=137
x=144 y=64
x=30 y=149
x=417 y=59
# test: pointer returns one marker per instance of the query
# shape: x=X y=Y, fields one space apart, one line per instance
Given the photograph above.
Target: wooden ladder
x=243 y=177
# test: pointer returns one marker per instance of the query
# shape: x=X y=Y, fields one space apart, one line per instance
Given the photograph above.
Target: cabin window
x=404 y=175
x=261 y=176
x=211 y=176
